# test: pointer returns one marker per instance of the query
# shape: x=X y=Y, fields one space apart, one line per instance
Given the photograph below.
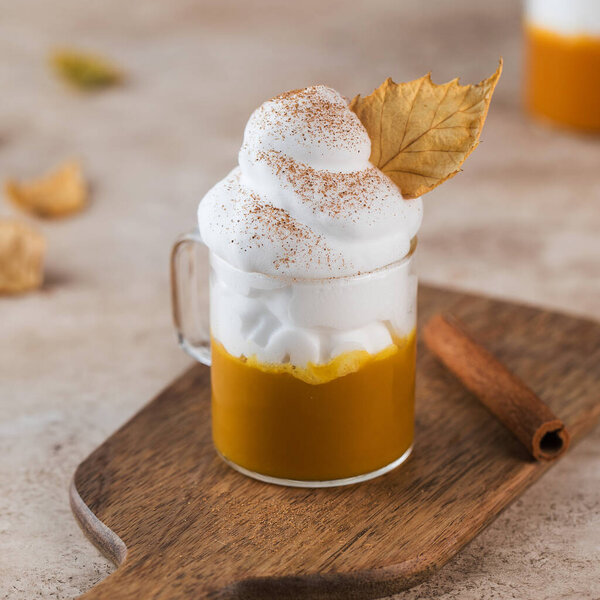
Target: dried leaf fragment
x=57 y=194
x=84 y=70
x=421 y=133
x=21 y=257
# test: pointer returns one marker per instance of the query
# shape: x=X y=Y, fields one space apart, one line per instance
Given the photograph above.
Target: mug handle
x=186 y=288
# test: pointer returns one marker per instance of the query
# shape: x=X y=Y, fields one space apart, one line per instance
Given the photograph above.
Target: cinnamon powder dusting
x=258 y=224
x=337 y=195
x=309 y=114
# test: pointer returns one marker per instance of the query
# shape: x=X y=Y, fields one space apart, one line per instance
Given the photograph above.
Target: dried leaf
x=21 y=257
x=421 y=133
x=57 y=194
x=85 y=71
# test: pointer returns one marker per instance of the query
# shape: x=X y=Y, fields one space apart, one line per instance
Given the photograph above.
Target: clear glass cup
x=345 y=414
x=562 y=61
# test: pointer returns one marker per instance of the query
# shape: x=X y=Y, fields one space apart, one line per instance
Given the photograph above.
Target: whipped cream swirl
x=305 y=201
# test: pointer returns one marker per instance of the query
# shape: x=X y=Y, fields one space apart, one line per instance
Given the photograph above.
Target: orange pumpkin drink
x=324 y=429
x=562 y=61
x=313 y=285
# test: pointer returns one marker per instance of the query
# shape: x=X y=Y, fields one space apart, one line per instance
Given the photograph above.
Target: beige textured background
x=81 y=356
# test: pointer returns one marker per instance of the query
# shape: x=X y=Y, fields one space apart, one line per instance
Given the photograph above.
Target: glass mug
x=348 y=417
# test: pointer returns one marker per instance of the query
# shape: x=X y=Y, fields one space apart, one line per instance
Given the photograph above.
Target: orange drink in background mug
x=562 y=61
x=286 y=419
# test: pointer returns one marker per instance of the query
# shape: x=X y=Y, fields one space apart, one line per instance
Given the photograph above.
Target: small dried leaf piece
x=85 y=71
x=57 y=194
x=21 y=257
x=421 y=133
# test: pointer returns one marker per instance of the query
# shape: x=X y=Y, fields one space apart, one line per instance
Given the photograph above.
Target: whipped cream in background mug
x=567 y=17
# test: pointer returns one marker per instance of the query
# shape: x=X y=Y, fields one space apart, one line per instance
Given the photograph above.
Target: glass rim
x=356 y=276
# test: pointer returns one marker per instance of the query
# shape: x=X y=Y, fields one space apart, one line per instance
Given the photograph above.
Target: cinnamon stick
x=504 y=394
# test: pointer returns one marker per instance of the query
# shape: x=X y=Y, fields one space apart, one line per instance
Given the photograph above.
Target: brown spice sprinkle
x=327 y=120
x=337 y=195
x=257 y=223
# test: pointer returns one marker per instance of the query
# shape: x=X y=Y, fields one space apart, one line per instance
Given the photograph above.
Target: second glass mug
x=345 y=419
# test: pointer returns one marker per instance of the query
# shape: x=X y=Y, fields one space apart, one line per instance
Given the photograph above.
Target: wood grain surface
x=181 y=524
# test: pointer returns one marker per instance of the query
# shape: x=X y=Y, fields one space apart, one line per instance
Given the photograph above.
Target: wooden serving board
x=182 y=525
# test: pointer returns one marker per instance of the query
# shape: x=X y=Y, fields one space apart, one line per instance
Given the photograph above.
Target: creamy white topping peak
x=305 y=201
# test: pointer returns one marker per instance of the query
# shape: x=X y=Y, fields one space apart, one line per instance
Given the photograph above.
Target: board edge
x=101 y=536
